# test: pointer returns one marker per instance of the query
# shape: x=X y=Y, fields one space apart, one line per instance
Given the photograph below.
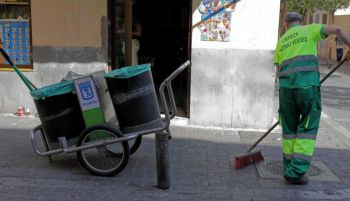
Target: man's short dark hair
x=292 y=17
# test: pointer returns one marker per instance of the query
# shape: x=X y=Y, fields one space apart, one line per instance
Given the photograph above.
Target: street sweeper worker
x=299 y=92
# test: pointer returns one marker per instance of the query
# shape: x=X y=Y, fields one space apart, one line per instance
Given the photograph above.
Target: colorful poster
x=217 y=20
x=16 y=41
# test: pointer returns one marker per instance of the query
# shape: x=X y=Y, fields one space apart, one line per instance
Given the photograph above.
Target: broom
x=249 y=157
x=30 y=85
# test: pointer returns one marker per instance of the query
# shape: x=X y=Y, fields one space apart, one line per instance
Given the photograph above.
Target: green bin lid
x=128 y=72
x=53 y=90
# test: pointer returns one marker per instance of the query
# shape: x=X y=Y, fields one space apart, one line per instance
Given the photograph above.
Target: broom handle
x=262 y=137
x=30 y=85
x=213 y=14
x=275 y=125
x=333 y=70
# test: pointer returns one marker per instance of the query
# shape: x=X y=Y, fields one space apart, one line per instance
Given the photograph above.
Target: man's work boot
x=293 y=181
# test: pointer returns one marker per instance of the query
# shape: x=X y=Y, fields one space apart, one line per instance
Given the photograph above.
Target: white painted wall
x=254 y=25
x=233 y=82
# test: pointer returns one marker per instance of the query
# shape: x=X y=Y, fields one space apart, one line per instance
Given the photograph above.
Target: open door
x=165 y=40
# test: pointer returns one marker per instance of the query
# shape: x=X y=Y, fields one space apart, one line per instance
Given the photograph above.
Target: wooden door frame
x=128 y=32
x=189 y=49
x=111 y=15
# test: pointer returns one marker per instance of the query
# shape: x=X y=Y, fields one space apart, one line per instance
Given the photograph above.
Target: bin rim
x=53 y=90
x=129 y=71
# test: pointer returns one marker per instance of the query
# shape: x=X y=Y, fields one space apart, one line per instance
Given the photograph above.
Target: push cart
x=102 y=149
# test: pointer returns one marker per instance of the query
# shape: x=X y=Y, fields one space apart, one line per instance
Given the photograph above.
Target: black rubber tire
x=135 y=146
x=123 y=156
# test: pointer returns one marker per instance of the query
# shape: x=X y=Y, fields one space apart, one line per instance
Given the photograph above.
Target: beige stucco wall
x=342 y=21
x=67 y=22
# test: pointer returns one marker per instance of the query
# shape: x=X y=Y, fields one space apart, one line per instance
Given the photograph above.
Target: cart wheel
x=106 y=160
x=136 y=144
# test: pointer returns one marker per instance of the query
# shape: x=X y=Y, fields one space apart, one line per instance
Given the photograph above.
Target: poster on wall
x=16 y=41
x=217 y=20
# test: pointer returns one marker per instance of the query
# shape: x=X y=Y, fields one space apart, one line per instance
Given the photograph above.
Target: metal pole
x=163 y=162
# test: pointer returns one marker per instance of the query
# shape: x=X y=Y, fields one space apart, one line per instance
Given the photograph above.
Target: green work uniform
x=299 y=97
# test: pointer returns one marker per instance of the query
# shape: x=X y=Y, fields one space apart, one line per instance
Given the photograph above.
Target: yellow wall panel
x=75 y=23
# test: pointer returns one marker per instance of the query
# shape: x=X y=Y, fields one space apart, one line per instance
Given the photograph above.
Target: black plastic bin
x=59 y=112
x=134 y=98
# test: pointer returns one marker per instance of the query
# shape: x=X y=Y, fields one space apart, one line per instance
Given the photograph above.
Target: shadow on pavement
x=202 y=169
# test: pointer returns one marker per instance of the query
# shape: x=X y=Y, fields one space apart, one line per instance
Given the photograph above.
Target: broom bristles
x=249 y=158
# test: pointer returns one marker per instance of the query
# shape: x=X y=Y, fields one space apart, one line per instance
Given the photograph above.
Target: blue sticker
x=86 y=90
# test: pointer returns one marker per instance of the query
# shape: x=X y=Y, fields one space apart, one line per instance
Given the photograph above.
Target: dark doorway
x=165 y=42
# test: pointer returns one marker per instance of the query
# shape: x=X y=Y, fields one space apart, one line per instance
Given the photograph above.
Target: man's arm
x=328 y=30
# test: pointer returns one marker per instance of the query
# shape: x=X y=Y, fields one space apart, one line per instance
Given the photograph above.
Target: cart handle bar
x=167 y=84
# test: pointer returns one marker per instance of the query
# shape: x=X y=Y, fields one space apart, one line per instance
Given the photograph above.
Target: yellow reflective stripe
x=304 y=146
x=288 y=146
x=298 y=146
x=307 y=121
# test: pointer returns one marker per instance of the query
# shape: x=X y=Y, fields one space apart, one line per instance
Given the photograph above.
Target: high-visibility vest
x=296 y=56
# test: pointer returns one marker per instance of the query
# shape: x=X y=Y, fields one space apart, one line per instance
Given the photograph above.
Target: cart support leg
x=163 y=162
x=46 y=144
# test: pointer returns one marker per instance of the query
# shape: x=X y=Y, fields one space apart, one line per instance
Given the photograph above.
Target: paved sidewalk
x=202 y=169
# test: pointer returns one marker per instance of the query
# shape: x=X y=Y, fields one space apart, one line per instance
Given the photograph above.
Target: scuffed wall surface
x=233 y=90
x=232 y=83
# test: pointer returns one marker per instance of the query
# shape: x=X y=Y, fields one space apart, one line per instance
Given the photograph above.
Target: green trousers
x=300 y=112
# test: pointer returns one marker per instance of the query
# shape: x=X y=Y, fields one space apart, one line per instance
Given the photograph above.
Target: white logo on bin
x=86 y=90
x=86 y=93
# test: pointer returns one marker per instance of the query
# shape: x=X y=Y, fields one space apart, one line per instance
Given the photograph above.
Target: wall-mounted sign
x=217 y=27
x=16 y=41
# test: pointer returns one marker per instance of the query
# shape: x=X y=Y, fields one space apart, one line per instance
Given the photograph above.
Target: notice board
x=15 y=35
